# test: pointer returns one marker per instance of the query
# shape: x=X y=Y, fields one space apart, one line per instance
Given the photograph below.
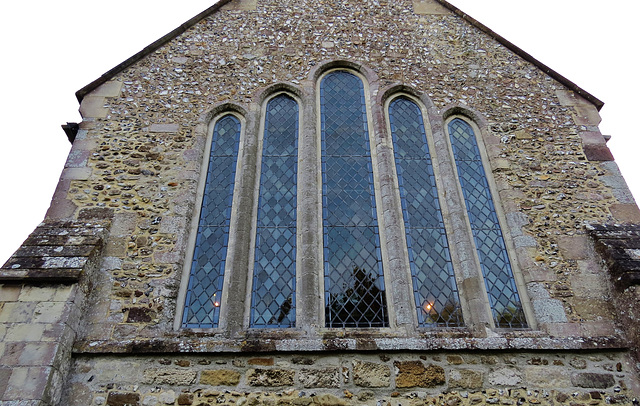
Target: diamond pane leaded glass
x=434 y=286
x=354 y=285
x=492 y=252
x=273 y=295
x=204 y=292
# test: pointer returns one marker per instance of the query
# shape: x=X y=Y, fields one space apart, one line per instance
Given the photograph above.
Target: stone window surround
x=234 y=316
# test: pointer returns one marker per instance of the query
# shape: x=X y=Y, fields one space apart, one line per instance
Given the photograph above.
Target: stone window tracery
x=355 y=260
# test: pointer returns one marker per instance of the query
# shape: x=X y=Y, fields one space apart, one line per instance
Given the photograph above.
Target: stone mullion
x=473 y=295
x=309 y=225
x=393 y=239
x=240 y=233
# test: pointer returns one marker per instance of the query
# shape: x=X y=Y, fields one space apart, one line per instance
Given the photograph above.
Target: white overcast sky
x=50 y=49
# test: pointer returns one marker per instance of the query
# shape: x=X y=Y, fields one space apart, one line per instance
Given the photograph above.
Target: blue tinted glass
x=204 y=293
x=273 y=296
x=434 y=285
x=496 y=268
x=354 y=286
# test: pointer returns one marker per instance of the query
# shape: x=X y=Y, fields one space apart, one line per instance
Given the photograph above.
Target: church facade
x=355 y=202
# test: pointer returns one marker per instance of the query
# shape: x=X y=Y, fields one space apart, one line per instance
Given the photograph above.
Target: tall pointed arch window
x=273 y=288
x=204 y=290
x=499 y=281
x=434 y=284
x=353 y=275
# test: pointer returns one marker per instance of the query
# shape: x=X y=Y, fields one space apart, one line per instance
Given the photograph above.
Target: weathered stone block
x=574 y=246
x=220 y=377
x=625 y=213
x=371 y=374
x=270 y=377
x=108 y=89
x=505 y=377
x=328 y=400
x=592 y=380
x=93 y=106
x=27 y=383
x=261 y=361
x=320 y=378
x=170 y=376
x=5 y=374
x=549 y=311
x=185 y=399
x=455 y=359
x=123 y=399
x=414 y=374
x=546 y=377
x=164 y=128
x=9 y=293
x=429 y=7
x=466 y=378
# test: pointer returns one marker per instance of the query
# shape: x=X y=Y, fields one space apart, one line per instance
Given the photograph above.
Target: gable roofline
x=154 y=46
x=149 y=49
x=523 y=54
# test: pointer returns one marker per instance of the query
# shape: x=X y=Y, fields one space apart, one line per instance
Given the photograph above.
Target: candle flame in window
x=215 y=302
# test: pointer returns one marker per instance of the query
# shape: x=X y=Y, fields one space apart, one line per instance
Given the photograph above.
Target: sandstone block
x=220 y=377
x=320 y=378
x=170 y=376
x=25 y=332
x=546 y=377
x=108 y=89
x=371 y=374
x=260 y=361
x=50 y=312
x=454 y=359
x=549 y=311
x=429 y=7
x=123 y=399
x=625 y=213
x=574 y=246
x=185 y=399
x=9 y=293
x=93 y=106
x=164 y=128
x=466 y=378
x=37 y=294
x=270 y=377
x=414 y=374
x=505 y=377
x=592 y=380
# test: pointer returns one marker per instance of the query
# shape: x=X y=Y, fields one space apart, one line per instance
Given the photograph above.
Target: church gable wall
x=138 y=159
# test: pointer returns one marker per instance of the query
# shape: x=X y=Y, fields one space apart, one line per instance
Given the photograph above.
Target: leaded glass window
x=204 y=291
x=492 y=252
x=434 y=285
x=273 y=293
x=353 y=275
